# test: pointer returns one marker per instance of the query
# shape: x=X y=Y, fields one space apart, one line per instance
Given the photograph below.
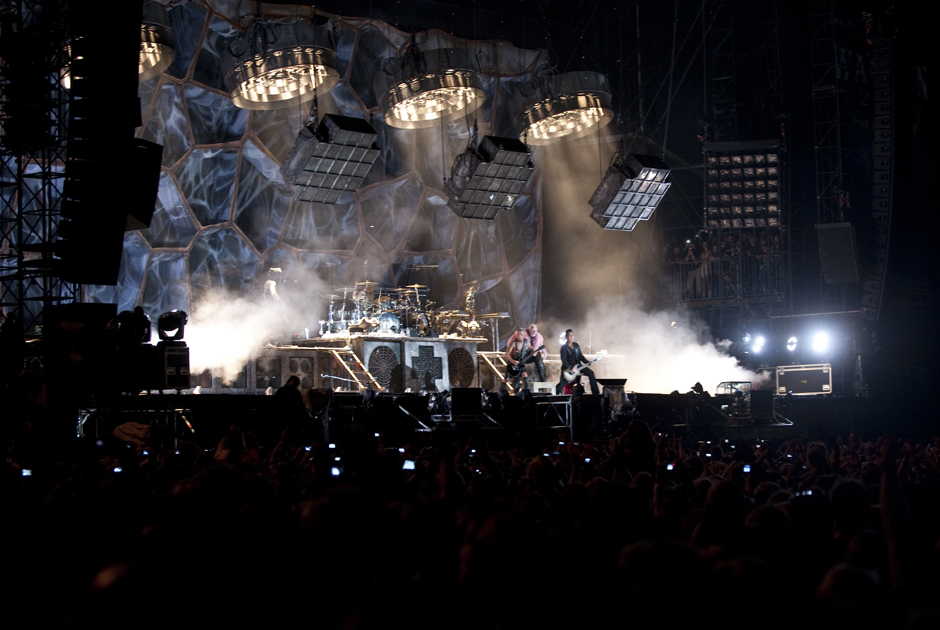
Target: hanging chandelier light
x=565 y=106
x=430 y=87
x=156 y=41
x=278 y=64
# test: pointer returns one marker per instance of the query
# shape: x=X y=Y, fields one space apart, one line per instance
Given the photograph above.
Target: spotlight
x=430 y=87
x=746 y=338
x=791 y=344
x=332 y=159
x=629 y=192
x=171 y=326
x=562 y=339
x=274 y=64
x=489 y=178
x=821 y=342
x=758 y=344
x=156 y=41
x=569 y=106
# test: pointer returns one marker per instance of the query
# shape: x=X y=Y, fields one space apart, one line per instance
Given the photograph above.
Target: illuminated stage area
x=468 y=314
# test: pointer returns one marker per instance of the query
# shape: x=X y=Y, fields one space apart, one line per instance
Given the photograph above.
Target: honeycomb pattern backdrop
x=224 y=215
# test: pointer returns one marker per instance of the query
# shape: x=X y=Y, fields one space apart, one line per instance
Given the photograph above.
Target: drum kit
x=368 y=308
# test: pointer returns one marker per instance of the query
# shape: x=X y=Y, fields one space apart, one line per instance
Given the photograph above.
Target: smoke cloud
x=659 y=357
x=598 y=282
x=224 y=331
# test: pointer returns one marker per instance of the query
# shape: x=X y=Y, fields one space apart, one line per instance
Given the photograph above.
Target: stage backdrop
x=223 y=215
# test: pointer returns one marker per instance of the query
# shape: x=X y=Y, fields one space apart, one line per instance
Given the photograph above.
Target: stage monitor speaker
x=762 y=402
x=837 y=252
x=466 y=401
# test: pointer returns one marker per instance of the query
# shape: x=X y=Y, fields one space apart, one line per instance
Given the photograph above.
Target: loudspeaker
x=762 y=402
x=837 y=252
x=466 y=401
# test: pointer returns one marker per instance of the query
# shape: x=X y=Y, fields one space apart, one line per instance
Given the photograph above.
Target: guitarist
x=571 y=357
x=518 y=351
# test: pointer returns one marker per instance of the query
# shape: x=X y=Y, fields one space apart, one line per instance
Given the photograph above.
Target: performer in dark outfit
x=572 y=357
x=516 y=350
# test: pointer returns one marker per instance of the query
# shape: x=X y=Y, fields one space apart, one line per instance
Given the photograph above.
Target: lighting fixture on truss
x=329 y=158
x=564 y=107
x=430 y=87
x=488 y=178
x=156 y=41
x=629 y=193
x=278 y=64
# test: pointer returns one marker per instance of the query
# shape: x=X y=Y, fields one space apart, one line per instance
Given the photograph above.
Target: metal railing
x=738 y=279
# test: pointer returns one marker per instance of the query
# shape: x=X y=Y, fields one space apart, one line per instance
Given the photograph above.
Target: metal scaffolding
x=830 y=152
x=33 y=132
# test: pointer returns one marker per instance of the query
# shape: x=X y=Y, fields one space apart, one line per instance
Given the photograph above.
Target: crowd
x=743 y=263
x=706 y=246
x=454 y=531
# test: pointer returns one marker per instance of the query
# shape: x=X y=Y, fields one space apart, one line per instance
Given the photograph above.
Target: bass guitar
x=575 y=372
x=512 y=371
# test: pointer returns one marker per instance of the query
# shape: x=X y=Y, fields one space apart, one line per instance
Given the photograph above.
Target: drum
x=389 y=323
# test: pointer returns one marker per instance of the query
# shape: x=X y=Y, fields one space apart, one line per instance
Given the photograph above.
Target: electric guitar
x=512 y=371
x=575 y=372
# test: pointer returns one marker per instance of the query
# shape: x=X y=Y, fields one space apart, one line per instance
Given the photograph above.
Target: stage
x=386 y=363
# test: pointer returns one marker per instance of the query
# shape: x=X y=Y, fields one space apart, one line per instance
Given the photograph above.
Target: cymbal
x=492 y=315
x=330 y=296
x=416 y=286
x=452 y=313
x=367 y=283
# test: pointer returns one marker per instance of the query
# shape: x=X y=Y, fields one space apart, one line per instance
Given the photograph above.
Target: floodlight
x=758 y=344
x=568 y=106
x=170 y=326
x=332 y=159
x=156 y=42
x=791 y=344
x=278 y=64
x=430 y=87
x=486 y=179
x=821 y=342
x=629 y=193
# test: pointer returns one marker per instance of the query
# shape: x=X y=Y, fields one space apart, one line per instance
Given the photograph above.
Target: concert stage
x=403 y=418
x=387 y=363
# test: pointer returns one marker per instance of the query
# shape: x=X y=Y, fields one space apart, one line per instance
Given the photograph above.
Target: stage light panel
x=334 y=159
x=487 y=179
x=629 y=193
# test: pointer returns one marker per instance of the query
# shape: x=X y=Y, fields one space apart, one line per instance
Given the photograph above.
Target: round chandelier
x=578 y=103
x=156 y=41
x=431 y=87
x=278 y=64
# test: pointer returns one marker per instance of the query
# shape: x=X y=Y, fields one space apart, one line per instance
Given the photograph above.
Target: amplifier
x=804 y=380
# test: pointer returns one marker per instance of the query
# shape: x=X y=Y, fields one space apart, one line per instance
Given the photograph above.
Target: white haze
x=606 y=269
x=224 y=332
x=659 y=357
